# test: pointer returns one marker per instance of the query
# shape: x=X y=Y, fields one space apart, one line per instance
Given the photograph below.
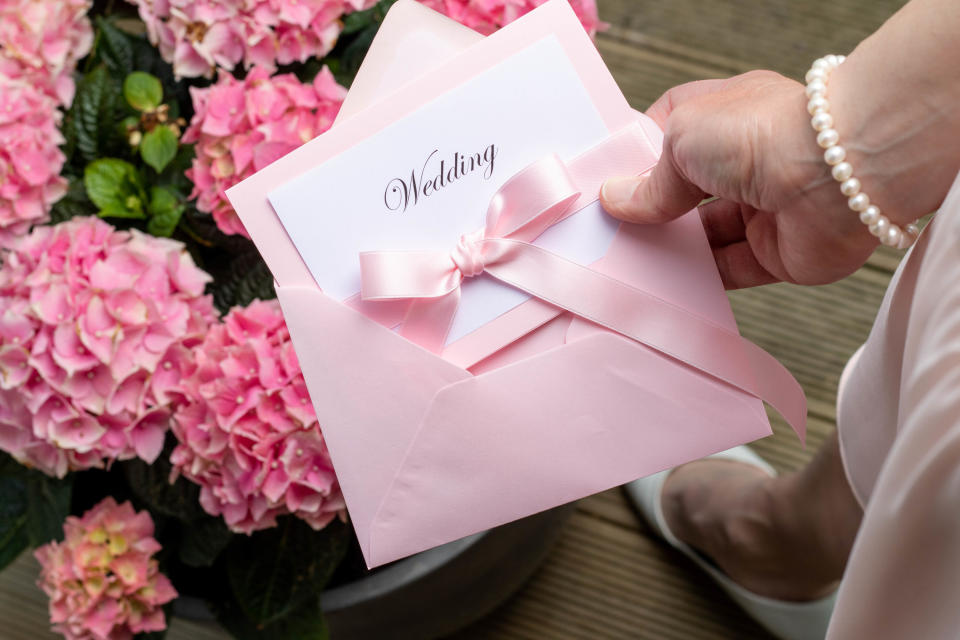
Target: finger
x=739 y=267
x=660 y=110
x=723 y=222
x=662 y=196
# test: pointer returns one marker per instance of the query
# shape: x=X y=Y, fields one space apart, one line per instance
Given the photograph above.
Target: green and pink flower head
x=102 y=580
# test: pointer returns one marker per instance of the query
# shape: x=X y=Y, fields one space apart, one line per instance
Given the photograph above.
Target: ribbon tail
x=428 y=321
x=651 y=321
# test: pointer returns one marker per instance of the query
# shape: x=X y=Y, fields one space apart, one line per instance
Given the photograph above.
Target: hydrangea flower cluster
x=486 y=16
x=95 y=326
x=247 y=432
x=41 y=42
x=30 y=160
x=199 y=36
x=241 y=126
x=102 y=580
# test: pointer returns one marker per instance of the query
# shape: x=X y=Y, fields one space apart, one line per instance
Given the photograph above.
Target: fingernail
x=619 y=191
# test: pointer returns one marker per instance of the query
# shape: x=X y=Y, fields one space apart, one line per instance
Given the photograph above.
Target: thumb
x=660 y=197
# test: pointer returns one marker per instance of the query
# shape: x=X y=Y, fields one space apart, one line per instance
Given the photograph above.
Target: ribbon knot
x=468 y=254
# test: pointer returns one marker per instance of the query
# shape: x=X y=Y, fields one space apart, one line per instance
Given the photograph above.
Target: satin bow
x=523 y=208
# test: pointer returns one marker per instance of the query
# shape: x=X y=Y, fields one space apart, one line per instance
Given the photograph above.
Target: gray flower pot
x=438 y=591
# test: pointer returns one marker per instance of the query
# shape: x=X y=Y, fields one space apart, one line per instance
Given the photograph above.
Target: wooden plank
x=604 y=581
x=783 y=35
x=812 y=330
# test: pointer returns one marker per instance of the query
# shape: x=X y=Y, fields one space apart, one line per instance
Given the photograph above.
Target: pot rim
x=398 y=574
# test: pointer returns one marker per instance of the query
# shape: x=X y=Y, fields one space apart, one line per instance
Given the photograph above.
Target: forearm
x=896 y=103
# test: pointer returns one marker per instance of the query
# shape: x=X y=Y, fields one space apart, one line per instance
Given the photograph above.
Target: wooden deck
x=607 y=578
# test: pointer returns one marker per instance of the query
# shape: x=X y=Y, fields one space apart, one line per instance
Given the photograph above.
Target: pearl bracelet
x=827 y=137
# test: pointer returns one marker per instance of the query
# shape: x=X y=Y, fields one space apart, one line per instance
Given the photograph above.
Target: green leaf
x=202 y=542
x=273 y=574
x=103 y=179
x=142 y=91
x=48 y=505
x=115 y=49
x=115 y=187
x=248 y=279
x=360 y=20
x=158 y=147
x=74 y=203
x=13 y=518
x=354 y=53
x=150 y=483
x=304 y=622
x=93 y=115
x=165 y=211
x=357 y=21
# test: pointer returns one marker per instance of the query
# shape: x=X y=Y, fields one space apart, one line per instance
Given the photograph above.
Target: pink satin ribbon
x=525 y=206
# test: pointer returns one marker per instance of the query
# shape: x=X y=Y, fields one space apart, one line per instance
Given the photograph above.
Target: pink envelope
x=536 y=408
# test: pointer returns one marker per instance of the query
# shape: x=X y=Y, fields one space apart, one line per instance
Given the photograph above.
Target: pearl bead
x=870 y=215
x=834 y=155
x=880 y=227
x=827 y=138
x=821 y=121
x=842 y=171
x=859 y=202
x=892 y=237
x=850 y=187
x=815 y=87
x=816 y=104
x=909 y=235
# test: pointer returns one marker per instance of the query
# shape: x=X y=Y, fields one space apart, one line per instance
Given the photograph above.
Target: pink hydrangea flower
x=30 y=160
x=247 y=432
x=102 y=580
x=41 y=42
x=200 y=36
x=486 y=16
x=241 y=126
x=95 y=327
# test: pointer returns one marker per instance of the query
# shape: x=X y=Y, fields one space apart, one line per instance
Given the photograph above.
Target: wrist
x=896 y=106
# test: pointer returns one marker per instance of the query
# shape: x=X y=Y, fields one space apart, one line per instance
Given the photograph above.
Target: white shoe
x=786 y=620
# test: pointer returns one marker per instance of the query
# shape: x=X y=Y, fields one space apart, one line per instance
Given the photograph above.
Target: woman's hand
x=778 y=215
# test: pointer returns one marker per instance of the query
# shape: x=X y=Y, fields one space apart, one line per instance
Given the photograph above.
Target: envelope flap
x=376 y=377
x=412 y=40
x=554 y=428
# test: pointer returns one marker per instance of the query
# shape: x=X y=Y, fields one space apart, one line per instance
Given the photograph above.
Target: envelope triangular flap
x=410 y=32
x=551 y=429
x=369 y=376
